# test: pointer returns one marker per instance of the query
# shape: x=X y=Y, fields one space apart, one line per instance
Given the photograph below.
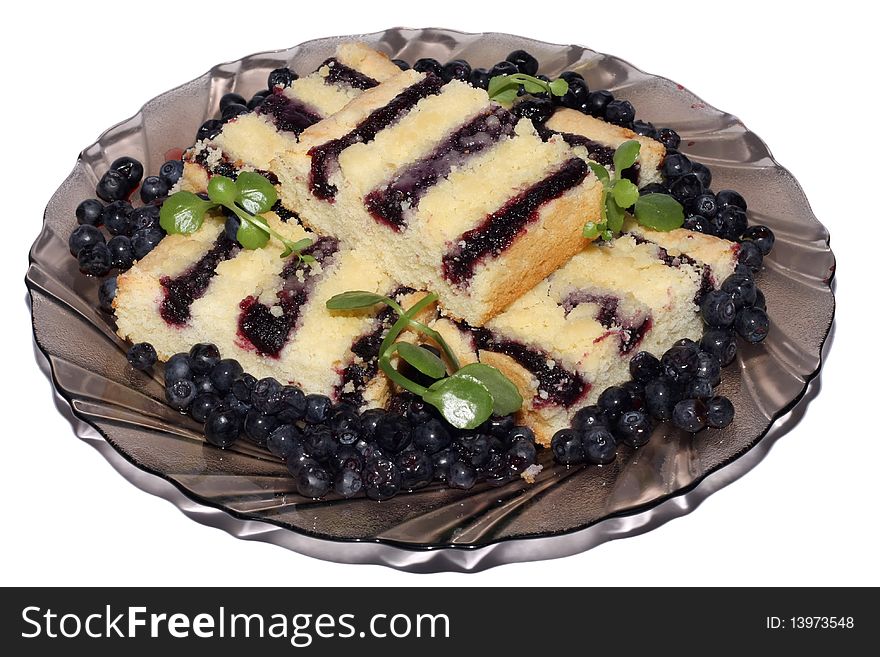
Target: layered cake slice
x=446 y=188
x=597 y=140
x=251 y=141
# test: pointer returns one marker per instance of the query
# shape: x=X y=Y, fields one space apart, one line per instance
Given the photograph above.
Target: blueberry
x=644 y=366
x=419 y=411
x=145 y=240
x=318 y=408
x=522 y=453
x=503 y=68
x=346 y=420
x=575 y=96
x=680 y=362
x=668 y=137
x=267 y=396
x=720 y=343
x=402 y=64
x=203 y=384
x=741 y=288
x=381 y=479
x=597 y=101
x=498 y=425
x=728 y=197
x=312 y=480
x=474 y=449
x=393 y=433
x=281 y=77
x=320 y=442
x=567 y=446
x=701 y=171
x=653 y=188
x=131 y=168
x=120 y=252
x=599 y=446
x=524 y=61
x=697 y=223
x=634 y=428
x=690 y=415
x=291 y=404
x=698 y=388
x=209 y=129
x=369 y=420
x=613 y=401
x=90 y=211
x=283 y=439
x=461 y=476
x=431 y=437
x=178 y=367
x=348 y=483
x=117 y=218
x=203 y=405
x=202 y=357
x=719 y=412
x=733 y=222
x=141 y=356
x=480 y=78
x=708 y=368
x=442 y=461
x=752 y=324
x=106 y=294
x=660 y=398
x=760 y=300
x=347 y=457
x=750 y=255
x=243 y=386
x=84 y=236
x=257 y=99
x=686 y=188
x=153 y=189
x=180 y=393
x=676 y=165
x=714 y=226
x=223 y=425
x=171 y=171
x=233 y=110
x=536 y=109
x=146 y=216
x=113 y=186
x=258 y=426
x=704 y=204
x=416 y=469
x=620 y=112
x=428 y=65
x=457 y=69
x=717 y=308
x=519 y=433
x=644 y=128
x=94 y=260
x=230 y=99
x=224 y=374
x=760 y=236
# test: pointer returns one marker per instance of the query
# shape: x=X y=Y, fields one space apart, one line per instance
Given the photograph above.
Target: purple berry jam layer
x=288 y=114
x=499 y=230
x=630 y=333
x=341 y=75
x=267 y=329
x=389 y=204
x=326 y=156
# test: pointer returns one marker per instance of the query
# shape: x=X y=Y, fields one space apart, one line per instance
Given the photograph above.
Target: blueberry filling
x=325 y=156
x=598 y=153
x=556 y=385
x=498 y=231
x=389 y=204
x=182 y=290
x=707 y=280
x=340 y=74
x=267 y=329
x=287 y=114
x=609 y=316
x=357 y=374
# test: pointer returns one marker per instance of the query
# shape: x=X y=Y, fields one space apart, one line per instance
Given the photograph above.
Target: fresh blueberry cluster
x=331 y=446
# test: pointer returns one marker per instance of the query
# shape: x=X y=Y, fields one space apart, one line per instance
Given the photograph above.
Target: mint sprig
x=504 y=88
x=466 y=396
x=249 y=195
x=655 y=211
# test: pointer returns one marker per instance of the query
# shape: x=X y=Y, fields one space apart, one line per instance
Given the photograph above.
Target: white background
x=799 y=78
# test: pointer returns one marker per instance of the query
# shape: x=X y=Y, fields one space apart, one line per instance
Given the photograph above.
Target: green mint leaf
x=659 y=212
x=498 y=84
x=183 y=212
x=251 y=236
x=599 y=171
x=505 y=396
x=591 y=230
x=505 y=97
x=559 y=87
x=422 y=359
x=255 y=193
x=615 y=214
x=533 y=86
x=354 y=299
x=625 y=193
x=607 y=236
x=625 y=155
x=308 y=258
x=464 y=402
x=222 y=190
